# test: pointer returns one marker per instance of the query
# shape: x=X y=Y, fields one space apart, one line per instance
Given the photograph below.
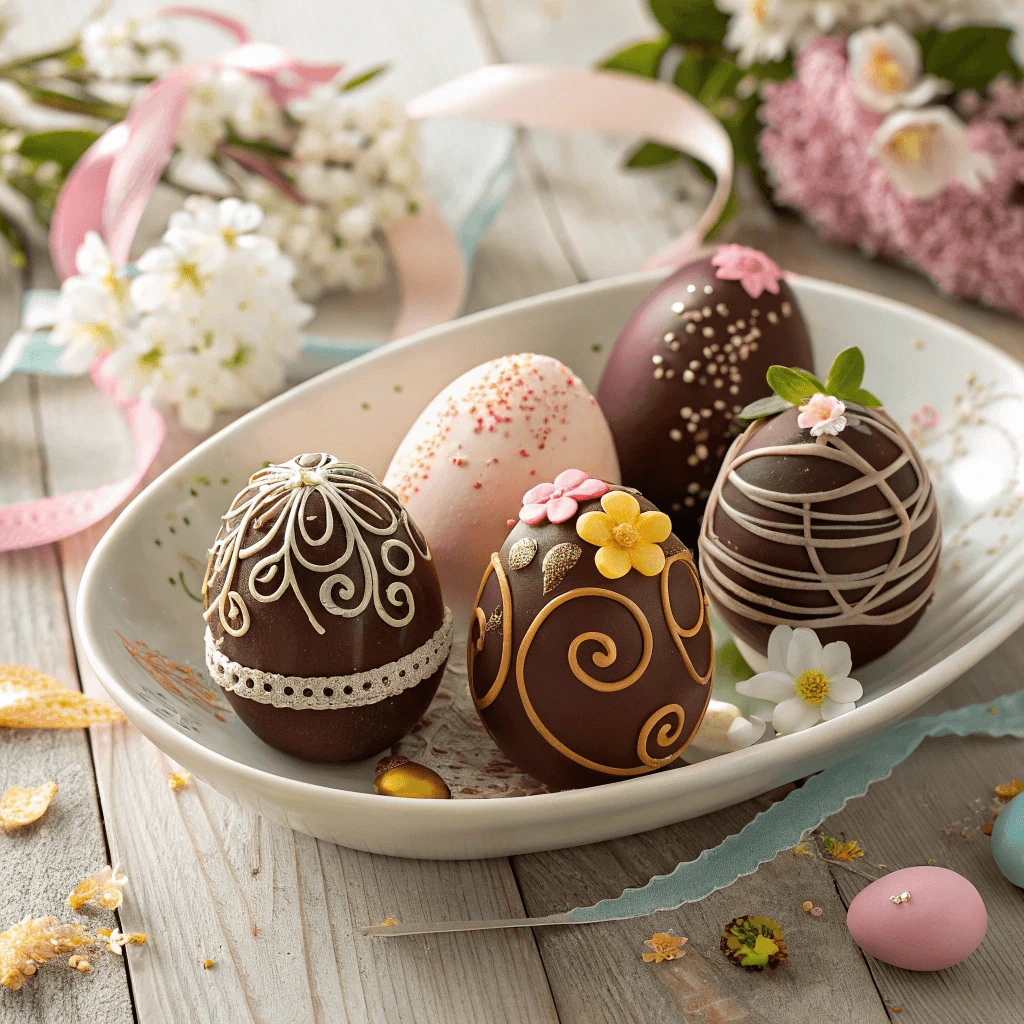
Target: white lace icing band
x=327 y=693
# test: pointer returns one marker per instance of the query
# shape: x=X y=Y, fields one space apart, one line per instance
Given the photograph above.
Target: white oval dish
x=135 y=590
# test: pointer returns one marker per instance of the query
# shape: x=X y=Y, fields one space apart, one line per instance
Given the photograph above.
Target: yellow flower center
x=812 y=685
x=625 y=535
x=884 y=71
x=910 y=144
x=188 y=273
x=230 y=236
x=759 y=10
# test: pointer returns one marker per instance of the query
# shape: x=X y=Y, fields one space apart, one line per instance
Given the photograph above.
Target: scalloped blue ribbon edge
x=30 y=351
x=784 y=824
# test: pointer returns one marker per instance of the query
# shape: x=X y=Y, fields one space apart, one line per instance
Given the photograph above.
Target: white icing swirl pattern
x=354 y=501
x=738 y=582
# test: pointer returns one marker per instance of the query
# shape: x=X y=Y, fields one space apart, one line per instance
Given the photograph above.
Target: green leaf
x=769 y=406
x=731 y=208
x=63 y=147
x=364 y=77
x=969 y=57
x=865 y=398
x=642 y=59
x=791 y=384
x=845 y=374
x=691 y=21
x=693 y=71
x=729 y=662
x=652 y=154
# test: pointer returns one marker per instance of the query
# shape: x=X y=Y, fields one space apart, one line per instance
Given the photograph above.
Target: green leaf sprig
x=793 y=386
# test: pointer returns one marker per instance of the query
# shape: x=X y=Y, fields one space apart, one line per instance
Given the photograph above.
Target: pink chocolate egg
x=941 y=922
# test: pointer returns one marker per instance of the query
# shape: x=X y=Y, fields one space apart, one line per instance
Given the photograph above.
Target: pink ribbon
x=110 y=185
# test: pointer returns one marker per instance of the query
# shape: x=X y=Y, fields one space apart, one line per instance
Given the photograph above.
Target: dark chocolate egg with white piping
x=325 y=623
x=690 y=358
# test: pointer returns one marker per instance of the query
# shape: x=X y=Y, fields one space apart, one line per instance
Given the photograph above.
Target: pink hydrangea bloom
x=816 y=148
x=823 y=414
x=557 y=502
x=755 y=271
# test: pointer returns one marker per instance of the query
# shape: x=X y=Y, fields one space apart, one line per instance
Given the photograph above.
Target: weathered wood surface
x=278 y=911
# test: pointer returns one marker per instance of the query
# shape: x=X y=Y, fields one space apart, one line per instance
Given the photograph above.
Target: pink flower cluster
x=816 y=147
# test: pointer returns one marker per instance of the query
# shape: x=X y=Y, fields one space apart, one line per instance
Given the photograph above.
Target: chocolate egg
x=838 y=533
x=489 y=436
x=690 y=358
x=325 y=622
x=590 y=655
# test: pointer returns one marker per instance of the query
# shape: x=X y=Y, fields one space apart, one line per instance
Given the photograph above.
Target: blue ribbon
x=783 y=825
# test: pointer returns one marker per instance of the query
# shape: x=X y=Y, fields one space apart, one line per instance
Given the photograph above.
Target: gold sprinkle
x=993 y=711
x=557 y=563
x=388 y=922
x=708 y=289
x=207 y=964
x=816 y=911
x=522 y=553
x=677 y=307
x=179 y=780
x=688 y=376
x=900 y=897
x=807 y=905
x=675 y=434
x=657 y=360
x=918 y=343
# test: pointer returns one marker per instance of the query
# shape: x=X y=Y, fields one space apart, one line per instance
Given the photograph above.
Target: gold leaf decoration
x=557 y=563
x=522 y=553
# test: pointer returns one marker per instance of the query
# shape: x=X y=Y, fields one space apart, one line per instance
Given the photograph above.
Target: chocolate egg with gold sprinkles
x=691 y=357
x=590 y=654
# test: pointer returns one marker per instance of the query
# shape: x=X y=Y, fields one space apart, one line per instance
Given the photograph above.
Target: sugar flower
x=755 y=271
x=885 y=69
x=724 y=729
x=557 y=502
x=924 y=151
x=808 y=683
x=626 y=538
x=664 y=947
x=823 y=414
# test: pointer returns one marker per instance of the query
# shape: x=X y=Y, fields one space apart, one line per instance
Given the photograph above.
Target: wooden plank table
x=278 y=911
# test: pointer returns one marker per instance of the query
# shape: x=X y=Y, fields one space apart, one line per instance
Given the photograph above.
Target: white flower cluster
x=128 y=49
x=768 y=29
x=351 y=170
x=206 y=324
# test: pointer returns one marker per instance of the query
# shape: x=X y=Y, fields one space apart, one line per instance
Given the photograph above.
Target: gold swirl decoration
x=506 y=633
x=679 y=634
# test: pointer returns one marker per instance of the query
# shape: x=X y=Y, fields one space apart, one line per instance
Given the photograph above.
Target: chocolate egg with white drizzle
x=325 y=623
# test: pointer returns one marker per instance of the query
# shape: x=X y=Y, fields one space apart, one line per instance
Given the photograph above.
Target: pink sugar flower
x=557 y=502
x=823 y=414
x=755 y=271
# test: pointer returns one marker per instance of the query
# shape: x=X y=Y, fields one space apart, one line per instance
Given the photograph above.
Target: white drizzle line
x=280 y=494
x=328 y=693
x=809 y=527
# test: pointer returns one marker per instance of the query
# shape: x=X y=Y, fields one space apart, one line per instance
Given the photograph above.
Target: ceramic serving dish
x=960 y=398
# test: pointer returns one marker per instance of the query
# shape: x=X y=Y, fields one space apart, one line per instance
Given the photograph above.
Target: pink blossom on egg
x=755 y=271
x=823 y=414
x=557 y=502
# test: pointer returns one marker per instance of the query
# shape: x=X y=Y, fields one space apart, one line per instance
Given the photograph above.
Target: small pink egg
x=936 y=920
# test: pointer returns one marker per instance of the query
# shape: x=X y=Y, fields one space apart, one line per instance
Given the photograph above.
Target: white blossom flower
x=924 y=151
x=724 y=728
x=808 y=683
x=886 y=72
x=823 y=414
x=134 y=48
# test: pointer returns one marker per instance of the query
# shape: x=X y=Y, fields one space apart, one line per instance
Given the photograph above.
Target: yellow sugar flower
x=626 y=537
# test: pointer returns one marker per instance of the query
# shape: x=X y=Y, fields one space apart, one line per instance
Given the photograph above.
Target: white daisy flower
x=808 y=683
x=886 y=72
x=924 y=151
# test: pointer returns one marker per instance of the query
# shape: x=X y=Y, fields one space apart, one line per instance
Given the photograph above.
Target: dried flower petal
x=35 y=941
x=34 y=700
x=664 y=947
x=1008 y=790
x=101 y=889
x=179 y=780
x=754 y=943
x=844 y=851
x=21 y=805
x=801 y=850
x=79 y=963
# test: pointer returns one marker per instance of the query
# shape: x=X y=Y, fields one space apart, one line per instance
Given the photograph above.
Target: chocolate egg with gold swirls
x=591 y=661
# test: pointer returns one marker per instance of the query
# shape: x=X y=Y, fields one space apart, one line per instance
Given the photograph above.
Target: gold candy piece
x=398 y=776
x=522 y=553
x=900 y=897
x=557 y=563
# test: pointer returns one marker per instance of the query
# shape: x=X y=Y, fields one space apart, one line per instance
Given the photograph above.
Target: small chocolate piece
x=839 y=533
x=325 y=621
x=591 y=679
x=691 y=357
